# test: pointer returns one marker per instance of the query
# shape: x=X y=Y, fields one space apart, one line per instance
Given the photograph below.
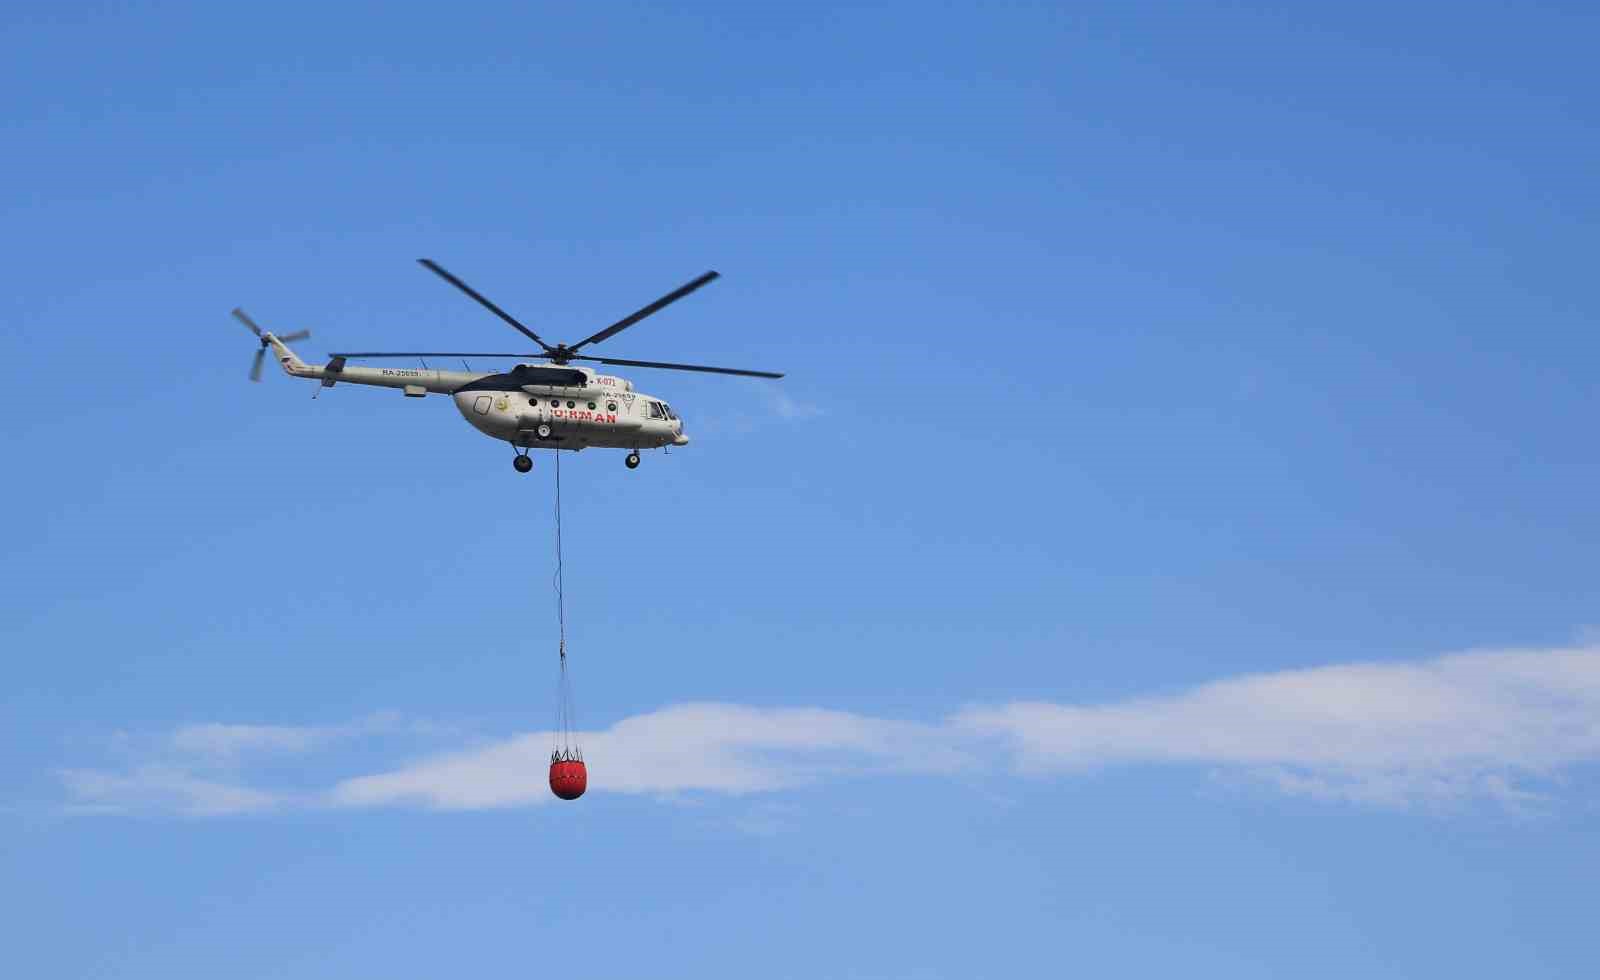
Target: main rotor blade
x=635 y=317
x=244 y=318
x=297 y=335
x=439 y=270
x=678 y=367
x=255 y=365
x=430 y=353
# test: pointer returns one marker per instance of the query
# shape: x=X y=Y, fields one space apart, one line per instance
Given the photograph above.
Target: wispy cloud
x=786 y=406
x=232 y=743
x=163 y=789
x=767 y=402
x=1488 y=725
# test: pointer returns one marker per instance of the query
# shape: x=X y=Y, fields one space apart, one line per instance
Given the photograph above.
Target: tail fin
x=288 y=359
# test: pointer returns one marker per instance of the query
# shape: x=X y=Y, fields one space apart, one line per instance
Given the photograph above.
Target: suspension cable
x=561 y=607
x=565 y=715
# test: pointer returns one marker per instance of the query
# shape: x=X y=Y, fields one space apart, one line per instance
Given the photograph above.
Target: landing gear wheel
x=543 y=430
x=632 y=461
x=523 y=463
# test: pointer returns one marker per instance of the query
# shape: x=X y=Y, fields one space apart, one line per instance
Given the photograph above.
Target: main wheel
x=543 y=430
x=522 y=463
x=632 y=461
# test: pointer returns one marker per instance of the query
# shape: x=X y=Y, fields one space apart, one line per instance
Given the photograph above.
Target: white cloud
x=719 y=748
x=1465 y=725
x=1486 y=725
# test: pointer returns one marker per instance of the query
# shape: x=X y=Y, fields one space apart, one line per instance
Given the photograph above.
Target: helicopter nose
x=680 y=440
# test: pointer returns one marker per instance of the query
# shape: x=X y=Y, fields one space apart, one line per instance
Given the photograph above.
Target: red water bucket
x=568 y=780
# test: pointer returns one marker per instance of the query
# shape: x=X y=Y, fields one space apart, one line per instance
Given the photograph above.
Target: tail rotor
x=264 y=337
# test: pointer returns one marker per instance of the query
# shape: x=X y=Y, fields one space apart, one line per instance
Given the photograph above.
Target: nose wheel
x=632 y=461
x=522 y=462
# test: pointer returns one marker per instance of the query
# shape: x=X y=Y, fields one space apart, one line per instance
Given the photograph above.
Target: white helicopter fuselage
x=529 y=406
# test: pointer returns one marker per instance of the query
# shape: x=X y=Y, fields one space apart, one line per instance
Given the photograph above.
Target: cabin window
x=555 y=403
x=591 y=406
x=572 y=404
x=611 y=406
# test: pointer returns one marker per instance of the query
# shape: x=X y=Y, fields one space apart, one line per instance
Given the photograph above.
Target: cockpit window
x=668 y=409
x=656 y=412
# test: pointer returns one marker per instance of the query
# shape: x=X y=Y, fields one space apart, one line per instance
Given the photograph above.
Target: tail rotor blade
x=244 y=318
x=255 y=365
x=297 y=335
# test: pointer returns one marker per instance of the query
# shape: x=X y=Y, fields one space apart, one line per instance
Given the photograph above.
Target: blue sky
x=1171 y=549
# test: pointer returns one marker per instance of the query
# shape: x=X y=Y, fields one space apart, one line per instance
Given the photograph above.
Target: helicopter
x=555 y=405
